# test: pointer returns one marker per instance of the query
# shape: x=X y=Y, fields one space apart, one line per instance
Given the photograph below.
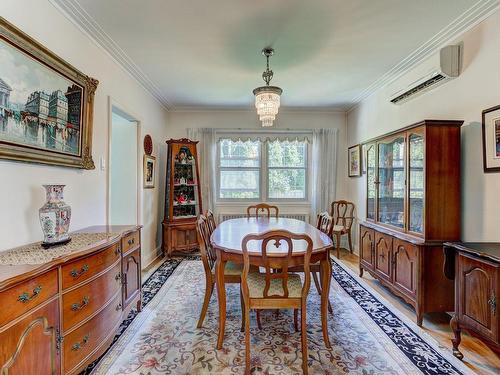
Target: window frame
x=263 y=169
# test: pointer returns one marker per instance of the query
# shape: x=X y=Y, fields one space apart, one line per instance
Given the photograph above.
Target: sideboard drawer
x=130 y=241
x=83 y=269
x=82 y=302
x=78 y=344
x=23 y=297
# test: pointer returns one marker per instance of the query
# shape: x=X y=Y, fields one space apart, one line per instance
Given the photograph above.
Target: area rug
x=367 y=337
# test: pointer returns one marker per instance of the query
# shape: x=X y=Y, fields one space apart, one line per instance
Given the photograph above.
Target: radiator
x=302 y=217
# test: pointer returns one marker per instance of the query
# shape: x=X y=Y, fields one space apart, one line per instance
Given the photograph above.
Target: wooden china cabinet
x=183 y=197
x=413 y=206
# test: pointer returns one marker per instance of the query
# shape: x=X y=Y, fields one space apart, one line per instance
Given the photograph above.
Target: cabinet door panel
x=405 y=260
x=132 y=276
x=367 y=242
x=370 y=181
x=383 y=250
x=29 y=347
x=477 y=306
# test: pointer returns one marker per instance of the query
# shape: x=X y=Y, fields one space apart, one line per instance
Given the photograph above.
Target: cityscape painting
x=45 y=104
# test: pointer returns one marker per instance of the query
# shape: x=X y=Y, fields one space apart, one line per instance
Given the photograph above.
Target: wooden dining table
x=227 y=238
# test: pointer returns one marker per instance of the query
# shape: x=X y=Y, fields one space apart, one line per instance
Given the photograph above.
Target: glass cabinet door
x=391 y=179
x=416 y=182
x=370 y=180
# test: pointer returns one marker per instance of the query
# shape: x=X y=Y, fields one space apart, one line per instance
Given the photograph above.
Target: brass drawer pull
x=493 y=303
x=117 y=250
x=76 y=274
x=118 y=276
x=119 y=307
x=131 y=241
x=79 y=306
x=25 y=297
x=78 y=345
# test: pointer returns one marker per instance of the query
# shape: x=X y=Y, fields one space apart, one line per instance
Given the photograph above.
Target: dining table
x=227 y=239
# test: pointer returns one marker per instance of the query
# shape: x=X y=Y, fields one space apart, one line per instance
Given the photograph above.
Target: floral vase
x=55 y=216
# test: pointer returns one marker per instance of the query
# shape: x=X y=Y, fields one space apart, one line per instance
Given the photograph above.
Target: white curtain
x=324 y=170
x=207 y=155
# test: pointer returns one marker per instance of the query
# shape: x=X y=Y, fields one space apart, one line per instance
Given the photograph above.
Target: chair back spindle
x=212 y=224
x=325 y=223
x=208 y=254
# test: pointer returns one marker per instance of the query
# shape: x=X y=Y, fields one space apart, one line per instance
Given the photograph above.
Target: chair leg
x=242 y=302
x=316 y=282
x=338 y=245
x=296 y=319
x=350 y=240
x=303 y=334
x=208 y=294
x=247 y=340
x=257 y=313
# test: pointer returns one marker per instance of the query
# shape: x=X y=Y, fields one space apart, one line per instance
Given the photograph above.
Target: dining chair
x=232 y=271
x=261 y=207
x=276 y=290
x=325 y=224
x=212 y=224
x=343 y=218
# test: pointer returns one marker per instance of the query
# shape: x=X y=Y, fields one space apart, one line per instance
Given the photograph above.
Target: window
x=262 y=170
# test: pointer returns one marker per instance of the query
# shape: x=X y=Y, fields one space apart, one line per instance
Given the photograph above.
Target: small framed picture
x=491 y=139
x=354 y=161
x=149 y=170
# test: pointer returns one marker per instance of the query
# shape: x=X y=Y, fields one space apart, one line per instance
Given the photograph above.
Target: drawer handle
x=493 y=303
x=79 y=306
x=118 y=276
x=131 y=241
x=76 y=274
x=25 y=297
x=117 y=250
x=119 y=307
x=78 y=345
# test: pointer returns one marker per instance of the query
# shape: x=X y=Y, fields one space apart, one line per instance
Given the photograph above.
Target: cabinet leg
x=139 y=305
x=458 y=337
x=420 y=316
x=360 y=271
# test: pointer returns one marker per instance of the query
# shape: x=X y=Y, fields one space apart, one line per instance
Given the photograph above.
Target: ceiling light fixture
x=267 y=98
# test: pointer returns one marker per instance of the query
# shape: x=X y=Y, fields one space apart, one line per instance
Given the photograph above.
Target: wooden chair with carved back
x=262 y=208
x=212 y=224
x=232 y=271
x=276 y=290
x=343 y=218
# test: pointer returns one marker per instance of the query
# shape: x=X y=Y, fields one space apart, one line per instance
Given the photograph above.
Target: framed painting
x=149 y=169
x=354 y=161
x=46 y=105
x=491 y=139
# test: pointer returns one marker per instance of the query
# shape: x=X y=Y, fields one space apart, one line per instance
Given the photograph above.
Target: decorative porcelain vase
x=55 y=216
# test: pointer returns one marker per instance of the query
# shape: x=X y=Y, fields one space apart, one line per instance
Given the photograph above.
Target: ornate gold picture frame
x=46 y=105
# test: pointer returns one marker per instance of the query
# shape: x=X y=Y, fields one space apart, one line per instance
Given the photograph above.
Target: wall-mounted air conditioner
x=433 y=72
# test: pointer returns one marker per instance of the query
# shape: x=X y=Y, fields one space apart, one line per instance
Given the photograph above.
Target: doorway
x=123 y=168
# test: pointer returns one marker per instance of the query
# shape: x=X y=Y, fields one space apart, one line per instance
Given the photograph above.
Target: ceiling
x=208 y=53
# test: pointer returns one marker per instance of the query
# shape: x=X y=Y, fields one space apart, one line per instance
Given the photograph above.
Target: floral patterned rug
x=367 y=337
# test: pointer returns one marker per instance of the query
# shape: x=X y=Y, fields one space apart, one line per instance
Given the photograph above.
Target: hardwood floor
x=477 y=356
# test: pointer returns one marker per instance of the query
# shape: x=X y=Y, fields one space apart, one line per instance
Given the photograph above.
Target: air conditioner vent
x=423 y=86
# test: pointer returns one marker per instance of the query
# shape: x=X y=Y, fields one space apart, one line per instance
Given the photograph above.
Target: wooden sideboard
x=59 y=316
x=475 y=267
x=413 y=206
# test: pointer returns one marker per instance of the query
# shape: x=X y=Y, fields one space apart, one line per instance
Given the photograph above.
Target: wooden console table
x=61 y=307
x=475 y=267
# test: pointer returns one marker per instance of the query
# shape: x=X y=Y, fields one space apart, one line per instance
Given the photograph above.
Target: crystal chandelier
x=267 y=98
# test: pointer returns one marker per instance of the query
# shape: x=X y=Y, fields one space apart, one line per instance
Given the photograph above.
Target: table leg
x=221 y=297
x=326 y=275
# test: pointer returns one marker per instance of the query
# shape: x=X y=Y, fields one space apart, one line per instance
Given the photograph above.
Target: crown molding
x=466 y=21
x=251 y=108
x=74 y=12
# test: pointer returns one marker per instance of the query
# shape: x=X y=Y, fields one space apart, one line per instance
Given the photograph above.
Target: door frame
x=129 y=115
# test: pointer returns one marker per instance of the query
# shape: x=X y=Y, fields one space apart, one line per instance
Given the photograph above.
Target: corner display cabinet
x=183 y=197
x=412 y=208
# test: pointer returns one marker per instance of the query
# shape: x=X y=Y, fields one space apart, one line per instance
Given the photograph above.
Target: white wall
x=463 y=99
x=21 y=193
x=123 y=171
x=179 y=121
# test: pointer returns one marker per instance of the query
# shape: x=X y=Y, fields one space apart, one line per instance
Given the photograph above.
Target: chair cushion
x=257 y=284
x=338 y=228
x=233 y=269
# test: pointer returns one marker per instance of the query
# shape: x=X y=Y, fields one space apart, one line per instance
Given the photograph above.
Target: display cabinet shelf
x=412 y=207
